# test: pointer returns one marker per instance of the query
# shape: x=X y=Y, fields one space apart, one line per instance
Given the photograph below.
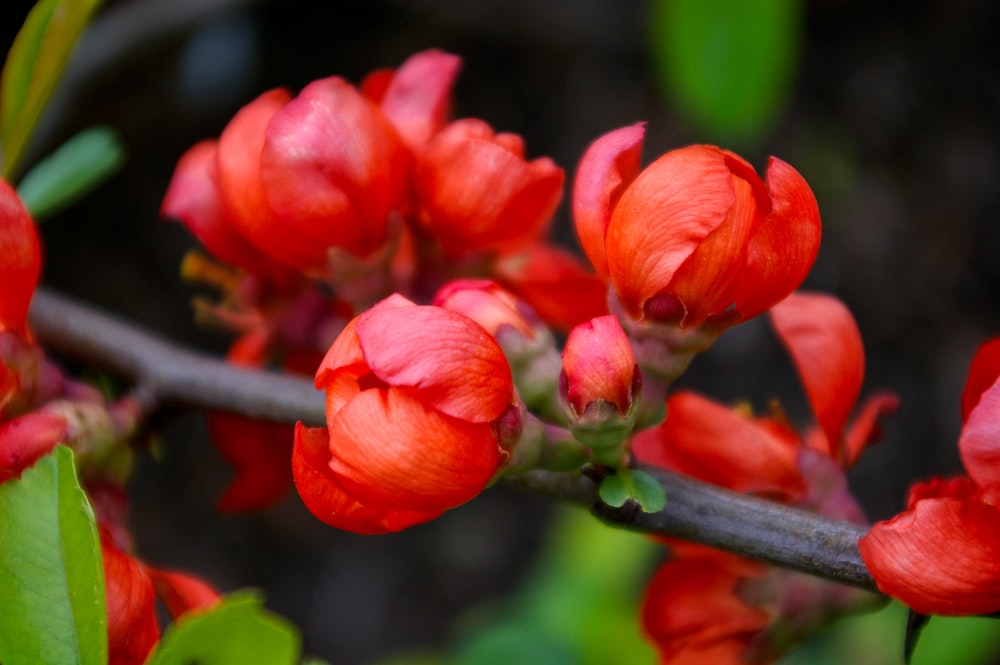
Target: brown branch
x=695 y=511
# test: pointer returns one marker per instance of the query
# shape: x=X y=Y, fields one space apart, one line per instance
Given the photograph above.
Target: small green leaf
x=728 y=64
x=238 y=630
x=634 y=485
x=52 y=593
x=78 y=166
x=33 y=67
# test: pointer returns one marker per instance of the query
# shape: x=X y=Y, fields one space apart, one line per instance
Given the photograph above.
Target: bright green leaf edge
x=77 y=167
x=237 y=630
x=52 y=592
x=34 y=66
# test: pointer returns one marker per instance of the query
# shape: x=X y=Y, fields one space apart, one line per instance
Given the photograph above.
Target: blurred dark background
x=892 y=117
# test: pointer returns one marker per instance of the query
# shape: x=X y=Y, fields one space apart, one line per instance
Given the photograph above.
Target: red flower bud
x=415 y=396
x=20 y=261
x=475 y=191
x=697 y=233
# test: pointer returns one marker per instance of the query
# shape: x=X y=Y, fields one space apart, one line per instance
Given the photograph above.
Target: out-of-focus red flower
x=415 y=399
x=26 y=439
x=476 y=192
x=20 y=261
x=294 y=179
x=942 y=554
x=768 y=457
x=561 y=290
x=692 y=609
x=131 y=589
x=600 y=382
x=489 y=305
x=696 y=234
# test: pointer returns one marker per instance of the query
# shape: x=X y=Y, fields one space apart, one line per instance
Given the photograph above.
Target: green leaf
x=728 y=64
x=634 y=485
x=78 y=166
x=52 y=593
x=34 y=66
x=238 y=630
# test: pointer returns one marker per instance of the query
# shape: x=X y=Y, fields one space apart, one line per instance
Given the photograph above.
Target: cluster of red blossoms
x=362 y=235
x=41 y=408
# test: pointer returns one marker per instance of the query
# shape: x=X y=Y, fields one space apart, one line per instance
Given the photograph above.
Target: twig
x=695 y=511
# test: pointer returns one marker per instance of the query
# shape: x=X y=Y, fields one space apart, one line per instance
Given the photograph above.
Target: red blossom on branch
x=419 y=403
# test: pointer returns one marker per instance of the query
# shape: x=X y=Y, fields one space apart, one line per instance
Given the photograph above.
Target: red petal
x=390 y=449
x=325 y=498
x=261 y=454
x=26 y=439
x=476 y=194
x=453 y=365
x=607 y=167
x=180 y=592
x=662 y=217
x=941 y=557
x=983 y=373
x=783 y=247
x=691 y=603
x=555 y=283
x=865 y=429
x=132 y=627
x=20 y=260
x=418 y=99
x=333 y=168
x=823 y=339
x=489 y=305
x=716 y=444
x=194 y=199
x=705 y=282
x=979 y=442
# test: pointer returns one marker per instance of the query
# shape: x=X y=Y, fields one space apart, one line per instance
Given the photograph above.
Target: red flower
x=20 y=261
x=697 y=233
x=476 y=192
x=765 y=456
x=415 y=399
x=293 y=179
x=942 y=554
x=26 y=439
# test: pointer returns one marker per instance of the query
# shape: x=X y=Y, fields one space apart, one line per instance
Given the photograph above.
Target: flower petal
x=20 y=260
x=983 y=373
x=662 y=217
x=783 y=247
x=555 y=283
x=325 y=498
x=453 y=364
x=333 y=168
x=132 y=627
x=260 y=452
x=389 y=448
x=418 y=98
x=607 y=167
x=713 y=443
x=979 y=441
x=194 y=199
x=181 y=592
x=941 y=557
x=27 y=438
x=823 y=340
x=599 y=364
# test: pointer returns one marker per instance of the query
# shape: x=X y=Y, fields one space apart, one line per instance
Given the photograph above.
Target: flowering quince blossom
x=767 y=457
x=416 y=423
x=942 y=554
x=696 y=236
x=20 y=261
x=292 y=178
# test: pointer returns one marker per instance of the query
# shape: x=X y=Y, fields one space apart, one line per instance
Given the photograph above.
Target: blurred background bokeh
x=891 y=111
